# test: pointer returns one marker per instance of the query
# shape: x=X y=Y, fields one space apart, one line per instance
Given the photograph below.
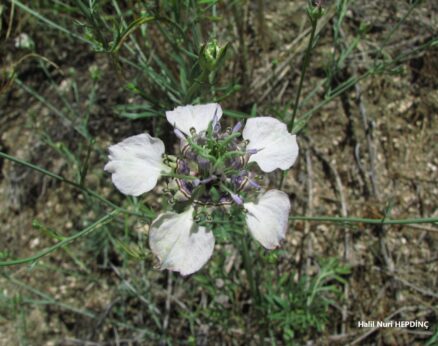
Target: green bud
x=315 y=12
x=212 y=55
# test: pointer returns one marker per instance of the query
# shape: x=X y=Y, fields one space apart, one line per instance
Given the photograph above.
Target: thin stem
x=196 y=85
x=71 y=183
x=306 y=61
x=399 y=23
x=99 y=223
x=383 y=221
x=249 y=272
x=49 y=22
x=350 y=83
x=255 y=293
x=282 y=179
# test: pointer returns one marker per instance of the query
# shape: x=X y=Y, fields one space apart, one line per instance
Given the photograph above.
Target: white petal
x=136 y=164
x=267 y=219
x=278 y=148
x=179 y=243
x=198 y=117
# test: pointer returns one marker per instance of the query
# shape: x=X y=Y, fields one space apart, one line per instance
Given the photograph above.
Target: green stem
x=69 y=182
x=255 y=292
x=383 y=221
x=249 y=272
x=196 y=85
x=49 y=22
x=99 y=223
x=306 y=61
x=282 y=178
x=399 y=23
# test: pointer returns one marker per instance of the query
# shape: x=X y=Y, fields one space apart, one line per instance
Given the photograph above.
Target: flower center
x=212 y=167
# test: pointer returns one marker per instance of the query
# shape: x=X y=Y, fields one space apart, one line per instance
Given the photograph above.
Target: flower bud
x=211 y=55
x=315 y=10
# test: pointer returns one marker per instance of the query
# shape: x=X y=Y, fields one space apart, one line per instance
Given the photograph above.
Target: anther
x=215 y=123
x=236 y=198
x=252 y=151
x=237 y=127
x=179 y=134
x=254 y=184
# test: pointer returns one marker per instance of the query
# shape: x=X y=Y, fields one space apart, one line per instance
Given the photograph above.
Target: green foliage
x=297 y=306
x=183 y=68
x=434 y=339
x=164 y=54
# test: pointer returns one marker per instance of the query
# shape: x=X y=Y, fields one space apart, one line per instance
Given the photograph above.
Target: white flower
x=179 y=243
x=198 y=117
x=136 y=164
x=177 y=240
x=276 y=147
x=183 y=246
x=267 y=219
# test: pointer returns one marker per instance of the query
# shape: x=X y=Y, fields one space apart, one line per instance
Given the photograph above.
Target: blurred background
x=79 y=75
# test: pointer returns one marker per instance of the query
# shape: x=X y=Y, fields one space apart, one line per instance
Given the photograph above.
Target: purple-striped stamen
x=184 y=188
x=182 y=167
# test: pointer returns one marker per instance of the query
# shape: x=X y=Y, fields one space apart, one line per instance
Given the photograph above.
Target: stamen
x=242 y=183
x=185 y=150
x=236 y=198
x=182 y=185
x=254 y=184
x=237 y=127
x=179 y=134
x=207 y=180
x=203 y=164
x=182 y=167
x=215 y=123
x=224 y=201
x=238 y=162
x=252 y=151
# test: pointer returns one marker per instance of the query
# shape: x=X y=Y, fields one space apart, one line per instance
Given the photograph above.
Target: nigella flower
x=213 y=170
